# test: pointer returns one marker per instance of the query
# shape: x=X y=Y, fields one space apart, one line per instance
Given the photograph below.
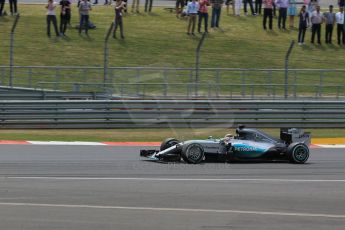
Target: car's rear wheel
x=167 y=143
x=193 y=153
x=298 y=153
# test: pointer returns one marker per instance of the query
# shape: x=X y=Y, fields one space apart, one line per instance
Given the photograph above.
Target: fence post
x=106 y=54
x=11 y=49
x=197 y=62
x=287 y=69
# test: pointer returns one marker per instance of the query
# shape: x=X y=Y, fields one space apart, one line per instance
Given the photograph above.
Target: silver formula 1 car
x=247 y=145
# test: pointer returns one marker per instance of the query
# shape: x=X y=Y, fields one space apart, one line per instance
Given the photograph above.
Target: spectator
x=282 y=6
x=203 y=14
x=13 y=7
x=192 y=11
x=303 y=24
x=148 y=5
x=2 y=5
x=70 y=11
x=250 y=5
x=238 y=4
x=119 y=6
x=274 y=9
x=135 y=4
x=228 y=3
x=216 y=11
x=65 y=15
x=292 y=12
x=329 y=18
x=312 y=7
x=179 y=7
x=258 y=6
x=339 y=17
x=51 y=17
x=268 y=13
x=316 y=20
x=84 y=9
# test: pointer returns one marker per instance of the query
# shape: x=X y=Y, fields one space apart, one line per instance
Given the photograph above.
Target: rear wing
x=292 y=135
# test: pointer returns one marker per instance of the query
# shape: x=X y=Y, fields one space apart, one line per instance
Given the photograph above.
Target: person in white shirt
x=192 y=11
x=51 y=17
x=339 y=18
x=316 y=19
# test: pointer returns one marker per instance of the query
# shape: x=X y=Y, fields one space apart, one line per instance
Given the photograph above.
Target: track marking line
x=176 y=179
x=176 y=210
x=155 y=144
x=335 y=146
x=64 y=143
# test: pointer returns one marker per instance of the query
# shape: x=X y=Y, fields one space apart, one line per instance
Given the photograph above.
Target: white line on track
x=64 y=143
x=177 y=179
x=175 y=210
x=337 y=146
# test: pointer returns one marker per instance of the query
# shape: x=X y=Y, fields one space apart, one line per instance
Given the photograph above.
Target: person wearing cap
x=339 y=18
x=329 y=21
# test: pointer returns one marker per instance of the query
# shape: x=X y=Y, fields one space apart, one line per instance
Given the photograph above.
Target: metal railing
x=171 y=114
x=148 y=82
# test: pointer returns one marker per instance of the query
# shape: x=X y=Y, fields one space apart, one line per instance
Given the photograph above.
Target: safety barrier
x=170 y=113
x=52 y=95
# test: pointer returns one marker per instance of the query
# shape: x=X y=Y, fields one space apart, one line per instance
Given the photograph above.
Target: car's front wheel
x=298 y=153
x=193 y=153
x=167 y=143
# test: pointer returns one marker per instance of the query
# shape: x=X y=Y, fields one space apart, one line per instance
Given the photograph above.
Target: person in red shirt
x=203 y=14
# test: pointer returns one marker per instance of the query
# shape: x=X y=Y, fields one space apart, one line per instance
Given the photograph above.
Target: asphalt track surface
x=107 y=187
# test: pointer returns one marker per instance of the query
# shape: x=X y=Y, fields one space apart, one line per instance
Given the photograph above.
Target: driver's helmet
x=228 y=137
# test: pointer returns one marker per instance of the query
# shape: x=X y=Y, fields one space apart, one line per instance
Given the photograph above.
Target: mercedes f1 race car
x=247 y=145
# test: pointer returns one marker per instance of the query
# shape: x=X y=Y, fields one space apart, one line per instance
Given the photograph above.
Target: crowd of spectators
x=197 y=11
x=309 y=15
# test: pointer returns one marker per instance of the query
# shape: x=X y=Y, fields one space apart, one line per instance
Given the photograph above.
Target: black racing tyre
x=167 y=143
x=193 y=153
x=298 y=153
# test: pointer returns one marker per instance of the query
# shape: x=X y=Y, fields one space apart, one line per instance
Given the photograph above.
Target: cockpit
x=243 y=133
